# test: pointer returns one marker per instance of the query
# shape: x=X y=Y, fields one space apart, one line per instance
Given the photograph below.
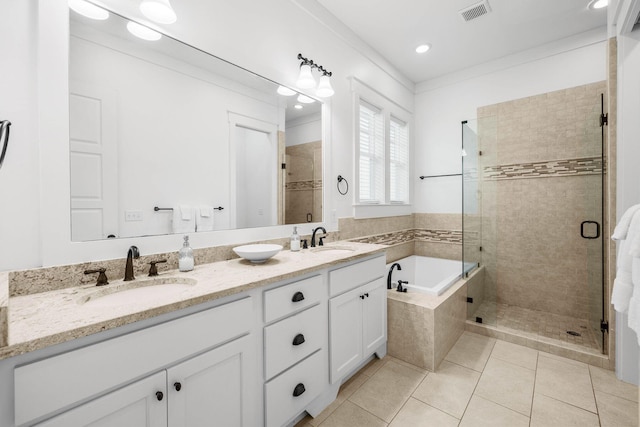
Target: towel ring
x=341 y=179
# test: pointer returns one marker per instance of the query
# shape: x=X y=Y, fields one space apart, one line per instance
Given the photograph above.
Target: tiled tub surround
x=43 y=319
x=423 y=328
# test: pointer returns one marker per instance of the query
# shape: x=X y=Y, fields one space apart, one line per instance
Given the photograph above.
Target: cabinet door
x=213 y=389
x=136 y=405
x=345 y=317
x=374 y=316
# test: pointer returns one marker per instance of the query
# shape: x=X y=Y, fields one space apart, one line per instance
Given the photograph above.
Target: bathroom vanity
x=246 y=345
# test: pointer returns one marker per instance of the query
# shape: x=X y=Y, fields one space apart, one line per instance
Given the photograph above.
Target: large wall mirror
x=161 y=124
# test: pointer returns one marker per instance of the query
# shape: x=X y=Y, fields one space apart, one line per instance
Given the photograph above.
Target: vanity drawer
x=352 y=276
x=280 y=350
x=281 y=404
x=288 y=299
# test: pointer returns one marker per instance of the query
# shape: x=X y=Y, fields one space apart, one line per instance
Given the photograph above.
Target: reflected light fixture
x=305 y=99
x=598 y=4
x=285 y=91
x=298 y=107
x=143 y=32
x=89 y=10
x=307 y=81
x=159 y=11
x=423 y=48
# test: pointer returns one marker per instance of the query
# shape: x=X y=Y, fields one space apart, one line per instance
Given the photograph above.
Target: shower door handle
x=589 y=222
x=4 y=139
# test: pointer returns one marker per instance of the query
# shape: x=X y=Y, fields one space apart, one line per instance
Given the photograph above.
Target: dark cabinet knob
x=361 y=296
x=297 y=297
x=177 y=386
x=159 y=395
x=299 y=339
x=366 y=295
x=298 y=390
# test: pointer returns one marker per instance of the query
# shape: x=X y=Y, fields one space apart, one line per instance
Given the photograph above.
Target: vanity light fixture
x=143 y=32
x=159 y=11
x=423 y=48
x=89 y=10
x=307 y=81
x=304 y=99
x=285 y=91
x=598 y=4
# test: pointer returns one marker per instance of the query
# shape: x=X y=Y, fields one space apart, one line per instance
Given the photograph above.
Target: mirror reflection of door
x=93 y=162
x=254 y=146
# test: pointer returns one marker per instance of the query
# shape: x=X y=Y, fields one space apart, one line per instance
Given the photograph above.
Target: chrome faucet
x=395 y=264
x=313 y=237
x=128 y=270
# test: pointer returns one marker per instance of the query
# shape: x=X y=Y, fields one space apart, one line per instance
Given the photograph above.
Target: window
x=398 y=161
x=371 y=155
x=383 y=156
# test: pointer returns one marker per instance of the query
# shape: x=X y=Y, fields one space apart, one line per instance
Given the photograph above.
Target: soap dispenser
x=295 y=240
x=185 y=256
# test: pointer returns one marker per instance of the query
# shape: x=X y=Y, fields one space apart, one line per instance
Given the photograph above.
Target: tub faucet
x=313 y=236
x=395 y=264
x=128 y=270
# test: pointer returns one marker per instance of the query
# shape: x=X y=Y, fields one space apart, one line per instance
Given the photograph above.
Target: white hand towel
x=623 y=286
x=204 y=218
x=180 y=224
x=621 y=230
x=634 y=304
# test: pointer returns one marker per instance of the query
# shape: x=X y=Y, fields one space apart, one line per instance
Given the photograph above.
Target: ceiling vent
x=475 y=11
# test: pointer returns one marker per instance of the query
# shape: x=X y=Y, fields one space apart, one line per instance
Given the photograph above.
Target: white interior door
x=93 y=162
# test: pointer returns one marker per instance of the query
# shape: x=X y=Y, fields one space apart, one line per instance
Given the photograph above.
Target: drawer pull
x=177 y=386
x=361 y=296
x=297 y=297
x=299 y=339
x=159 y=395
x=298 y=390
x=367 y=295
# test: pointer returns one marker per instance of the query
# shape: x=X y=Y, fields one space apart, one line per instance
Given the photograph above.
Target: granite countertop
x=43 y=319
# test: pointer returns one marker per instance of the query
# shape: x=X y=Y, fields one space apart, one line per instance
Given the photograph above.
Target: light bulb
x=143 y=32
x=324 y=87
x=305 y=99
x=305 y=79
x=88 y=9
x=159 y=11
x=423 y=48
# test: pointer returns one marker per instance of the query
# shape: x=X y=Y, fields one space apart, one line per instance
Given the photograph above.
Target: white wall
x=441 y=105
x=304 y=129
x=264 y=37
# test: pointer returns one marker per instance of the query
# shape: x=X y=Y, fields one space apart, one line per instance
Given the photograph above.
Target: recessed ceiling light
x=298 y=107
x=598 y=4
x=423 y=48
x=159 y=11
x=88 y=9
x=143 y=32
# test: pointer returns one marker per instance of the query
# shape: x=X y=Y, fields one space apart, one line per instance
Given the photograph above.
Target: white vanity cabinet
x=205 y=390
x=193 y=372
x=358 y=315
x=295 y=348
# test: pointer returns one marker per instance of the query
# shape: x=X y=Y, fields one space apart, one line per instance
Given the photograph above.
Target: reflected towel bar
x=155 y=208
x=438 y=176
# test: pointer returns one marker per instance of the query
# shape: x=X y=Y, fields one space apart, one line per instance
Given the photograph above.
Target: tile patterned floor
x=534 y=324
x=483 y=382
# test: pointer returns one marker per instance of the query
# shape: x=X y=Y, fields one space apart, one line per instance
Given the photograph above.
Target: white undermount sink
x=334 y=249
x=158 y=288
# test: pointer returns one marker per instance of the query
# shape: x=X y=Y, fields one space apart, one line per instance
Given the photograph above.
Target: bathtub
x=432 y=276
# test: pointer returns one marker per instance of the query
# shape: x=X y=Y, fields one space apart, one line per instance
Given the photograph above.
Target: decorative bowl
x=257 y=253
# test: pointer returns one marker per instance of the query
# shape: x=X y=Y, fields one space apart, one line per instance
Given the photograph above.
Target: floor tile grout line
x=595 y=400
x=533 y=392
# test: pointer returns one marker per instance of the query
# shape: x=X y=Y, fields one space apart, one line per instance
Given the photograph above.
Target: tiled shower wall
x=541 y=179
x=303 y=183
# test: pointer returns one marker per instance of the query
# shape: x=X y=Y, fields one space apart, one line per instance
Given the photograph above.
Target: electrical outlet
x=133 y=215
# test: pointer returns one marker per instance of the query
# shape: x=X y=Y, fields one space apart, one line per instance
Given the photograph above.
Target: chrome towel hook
x=4 y=138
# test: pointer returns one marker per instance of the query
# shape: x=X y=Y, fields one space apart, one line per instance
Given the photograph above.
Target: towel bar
x=155 y=208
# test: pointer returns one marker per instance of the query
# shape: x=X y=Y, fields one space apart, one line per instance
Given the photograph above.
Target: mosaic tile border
x=304 y=185
x=551 y=168
x=405 y=236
